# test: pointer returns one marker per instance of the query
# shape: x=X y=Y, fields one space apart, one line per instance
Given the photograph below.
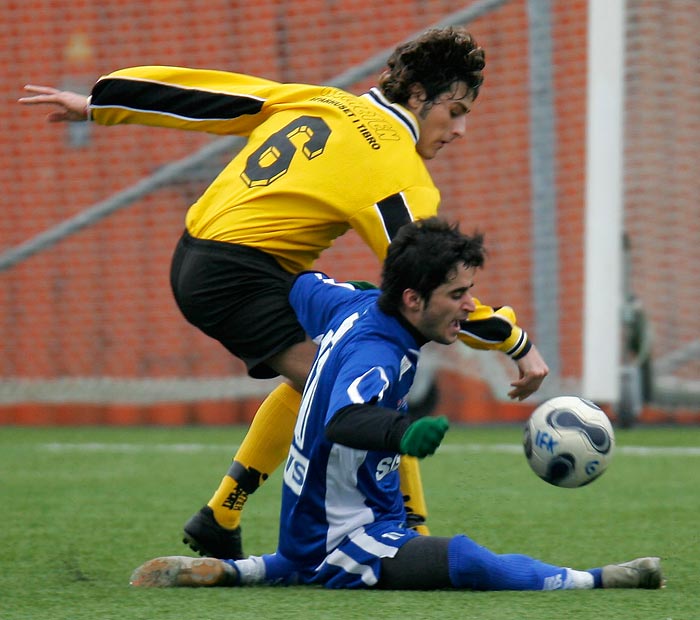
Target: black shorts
x=237 y=295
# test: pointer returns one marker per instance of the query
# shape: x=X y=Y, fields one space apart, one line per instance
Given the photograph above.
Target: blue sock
x=279 y=570
x=474 y=567
x=269 y=569
x=597 y=577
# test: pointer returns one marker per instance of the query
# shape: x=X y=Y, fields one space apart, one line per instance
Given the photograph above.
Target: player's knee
x=469 y=563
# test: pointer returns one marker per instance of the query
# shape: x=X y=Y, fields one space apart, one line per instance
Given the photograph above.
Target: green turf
x=82 y=507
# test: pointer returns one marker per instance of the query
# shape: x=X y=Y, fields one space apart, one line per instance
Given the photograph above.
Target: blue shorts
x=356 y=562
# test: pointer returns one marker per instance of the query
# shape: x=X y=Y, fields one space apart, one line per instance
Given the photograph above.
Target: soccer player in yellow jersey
x=317 y=162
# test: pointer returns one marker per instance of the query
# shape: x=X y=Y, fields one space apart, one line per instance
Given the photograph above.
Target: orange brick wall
x=99 y=304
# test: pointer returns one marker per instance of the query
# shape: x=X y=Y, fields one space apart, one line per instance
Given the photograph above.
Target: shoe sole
x=177 y=571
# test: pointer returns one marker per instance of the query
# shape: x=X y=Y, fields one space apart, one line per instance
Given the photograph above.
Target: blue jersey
x=337 y=498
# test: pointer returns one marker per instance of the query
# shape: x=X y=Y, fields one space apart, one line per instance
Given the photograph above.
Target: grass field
x=82 y=507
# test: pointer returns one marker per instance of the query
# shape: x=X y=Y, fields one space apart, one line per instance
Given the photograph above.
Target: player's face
x=441 y=120
x=451 y=302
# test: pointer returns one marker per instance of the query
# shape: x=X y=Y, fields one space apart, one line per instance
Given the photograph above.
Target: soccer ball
x=568 y=441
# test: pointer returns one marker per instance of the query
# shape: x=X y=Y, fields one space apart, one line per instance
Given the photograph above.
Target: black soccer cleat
x=416 y=522
x=205 y=536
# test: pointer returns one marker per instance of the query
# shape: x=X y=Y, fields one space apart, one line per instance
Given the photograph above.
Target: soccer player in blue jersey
x=281 y=202
x=343 y=521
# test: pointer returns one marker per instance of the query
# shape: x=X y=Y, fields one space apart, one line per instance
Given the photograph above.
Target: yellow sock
x=412 y=491
x=264 y=448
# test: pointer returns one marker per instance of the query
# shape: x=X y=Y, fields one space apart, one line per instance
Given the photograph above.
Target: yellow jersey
x=317 y=162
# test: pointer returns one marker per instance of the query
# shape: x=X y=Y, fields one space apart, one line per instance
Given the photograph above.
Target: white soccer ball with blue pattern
x=568 y=441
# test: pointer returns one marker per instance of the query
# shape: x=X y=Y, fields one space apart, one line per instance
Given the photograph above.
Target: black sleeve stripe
x=492 y=329
x=172 y=100
x=394 y=213
x=521 y=348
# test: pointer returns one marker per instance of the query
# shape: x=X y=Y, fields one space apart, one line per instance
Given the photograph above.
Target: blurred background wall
x=89 y=332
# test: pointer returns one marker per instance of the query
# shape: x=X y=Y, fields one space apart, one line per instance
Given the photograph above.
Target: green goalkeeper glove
x=362 y=285
x=423 y=436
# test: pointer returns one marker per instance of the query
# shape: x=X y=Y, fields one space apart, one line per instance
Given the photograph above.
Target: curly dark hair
x=422 y=256
x=436 y=60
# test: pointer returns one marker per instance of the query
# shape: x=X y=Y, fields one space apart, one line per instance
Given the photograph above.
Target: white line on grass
x=501 y=448
x=118 y=448
x=509 y=448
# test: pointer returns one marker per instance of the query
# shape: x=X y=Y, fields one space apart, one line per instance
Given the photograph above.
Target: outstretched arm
x=204 y=100
x=69 y=106
x=497 y=329
x=533 y=370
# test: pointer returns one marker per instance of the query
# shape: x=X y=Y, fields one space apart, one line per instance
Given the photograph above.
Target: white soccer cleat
x=639 y=573
x=178 y=571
